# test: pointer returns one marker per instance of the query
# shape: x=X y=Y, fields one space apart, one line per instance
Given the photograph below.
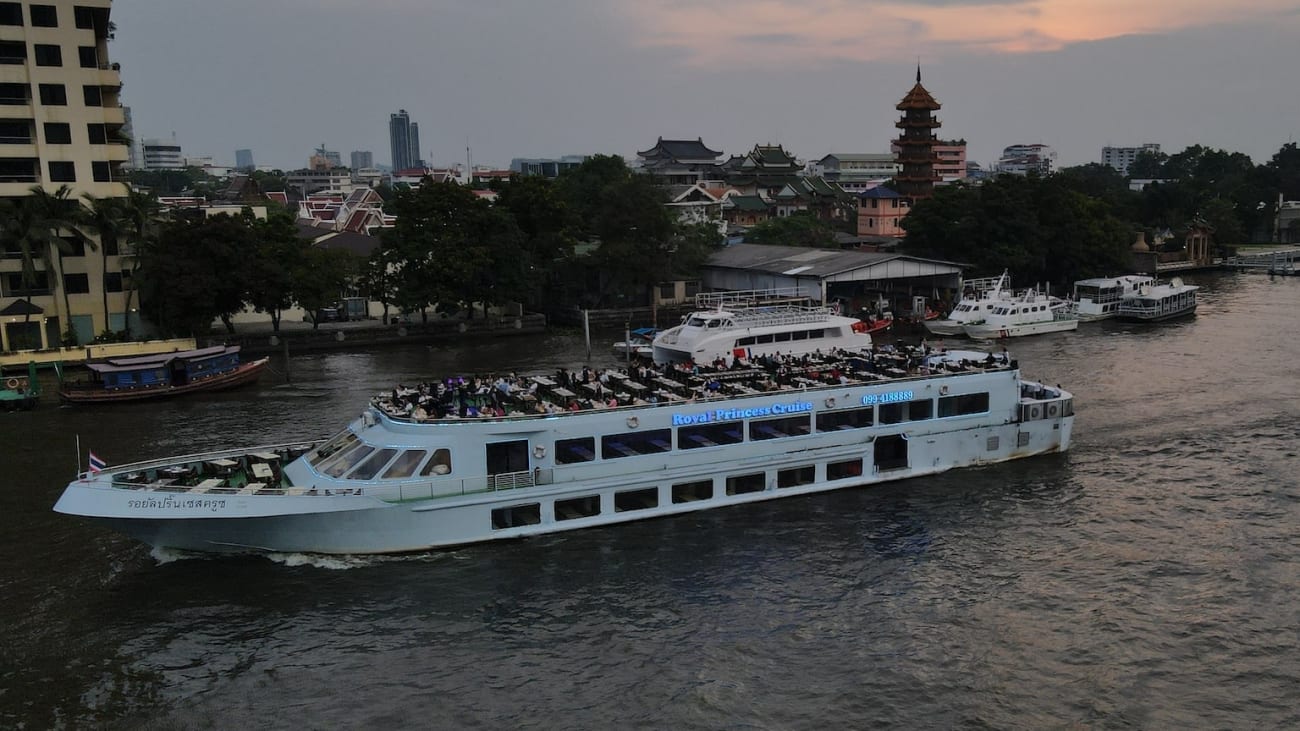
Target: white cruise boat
x=1159 y=302
x=982 y=295
x=400 y=479
x=754 y=323
x=1033 y=313
x=1099 y=298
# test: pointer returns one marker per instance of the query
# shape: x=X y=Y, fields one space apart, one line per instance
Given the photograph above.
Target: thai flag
x=96 y=464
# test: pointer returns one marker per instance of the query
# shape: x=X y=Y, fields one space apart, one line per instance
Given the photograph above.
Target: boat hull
x=245 y=374
x=354 y=524
x=946 y=327
x=989 y=331
x=1160 y=317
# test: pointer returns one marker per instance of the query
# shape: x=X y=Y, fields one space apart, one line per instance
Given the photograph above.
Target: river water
x=1146 y=579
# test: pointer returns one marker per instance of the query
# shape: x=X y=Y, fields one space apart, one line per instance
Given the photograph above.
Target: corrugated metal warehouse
x=857 y=279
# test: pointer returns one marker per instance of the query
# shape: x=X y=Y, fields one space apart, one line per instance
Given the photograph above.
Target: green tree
x=799 y=229
x=144 y=219
x=1148 y=165
x=193 y=273
x=545 y=222
x=269 y=270
x=320 y=279
x=106 y=218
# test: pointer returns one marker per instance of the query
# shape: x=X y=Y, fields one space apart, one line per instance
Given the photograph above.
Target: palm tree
x=56 y=213
x=34 y=223
x=106 y=217
x=143 y=217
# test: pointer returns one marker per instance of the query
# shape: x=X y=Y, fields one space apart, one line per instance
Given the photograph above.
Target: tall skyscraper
x=362 y=159
x=404 y=139
x=244 y=160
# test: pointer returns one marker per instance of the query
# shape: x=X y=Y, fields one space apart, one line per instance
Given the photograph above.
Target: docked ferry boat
x=162 y=375
x=756 y=323
x=982 y=295
x=1159 y=302
x=431 y=466
x=1099 y=298
x=1033 y=313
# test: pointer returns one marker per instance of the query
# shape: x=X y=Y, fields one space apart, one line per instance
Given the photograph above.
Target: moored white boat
x=981 y=296
x=1099 y=298
x=1033 y=313
x=390 y=482
x=754 y=323
x=1153 y=303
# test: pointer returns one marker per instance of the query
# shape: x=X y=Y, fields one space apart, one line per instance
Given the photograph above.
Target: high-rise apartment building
x=1121 y=157
x=404 y=139
x=62 y=125
x=162 y=155
x=362 y=159
x=244 y=160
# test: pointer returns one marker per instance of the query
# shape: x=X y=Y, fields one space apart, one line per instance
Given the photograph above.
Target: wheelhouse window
x=439 y=464
x=332 y=447
x=709 y=435
x=845 y=419
x=632 y=444
x=572 y=451
x=405 y=464
x=971 y=403
x=347 y=460
x=368 y=469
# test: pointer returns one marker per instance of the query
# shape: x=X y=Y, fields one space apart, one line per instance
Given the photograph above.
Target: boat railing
x=784 y=315
x=298 y=446
x=744 y=298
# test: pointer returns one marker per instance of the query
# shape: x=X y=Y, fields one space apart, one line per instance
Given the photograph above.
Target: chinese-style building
x=916 y=143
x=680 y=162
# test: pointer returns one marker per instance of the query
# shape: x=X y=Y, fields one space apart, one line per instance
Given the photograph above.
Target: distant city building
x=162 y=155
x=975 y=172
x=951 y=162
x=856 y=171
x=244 y=160
x=1120 y=158
x=306 y=182
x=881 y=212
x=680 y=162
x=404 y=139
x=324 y=159
x=362 y=159
x=367 y=177
x=545 y=166
x=916 y=142
x=128 y=133
x=1026 y=159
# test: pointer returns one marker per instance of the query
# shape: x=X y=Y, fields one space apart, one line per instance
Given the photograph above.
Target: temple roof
x=747 y=203
x=772 y=156
x=918 y=97
x=681 y=150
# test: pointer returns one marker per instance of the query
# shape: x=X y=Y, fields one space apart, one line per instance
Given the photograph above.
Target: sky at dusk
x=543 y=78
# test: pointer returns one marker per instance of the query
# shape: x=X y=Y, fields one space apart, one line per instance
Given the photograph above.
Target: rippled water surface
x=1146 y=579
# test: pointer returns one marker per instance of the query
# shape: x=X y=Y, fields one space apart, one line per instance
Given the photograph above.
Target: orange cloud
x=768 y=32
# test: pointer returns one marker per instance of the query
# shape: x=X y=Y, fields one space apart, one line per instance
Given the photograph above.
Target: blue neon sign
x=712 y=415
x=888 y=397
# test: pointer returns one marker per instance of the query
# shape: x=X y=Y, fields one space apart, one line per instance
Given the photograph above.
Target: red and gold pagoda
x=916 y=143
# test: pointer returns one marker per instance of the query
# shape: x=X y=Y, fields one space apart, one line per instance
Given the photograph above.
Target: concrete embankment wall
x=373 y=333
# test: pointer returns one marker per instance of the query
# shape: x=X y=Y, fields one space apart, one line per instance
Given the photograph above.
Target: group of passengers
x=644 y=383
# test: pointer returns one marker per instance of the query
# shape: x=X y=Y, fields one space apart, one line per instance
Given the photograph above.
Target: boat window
x=689 y=492
x=332 y=447
x=631 y=444
x=892 y=413
x=920 y=410
x=636 y=500
x=971 y=403
x=783 y=337
x=368 y=469
x=844 y=470
x=715 y=323
x=709 y=435
x=516 y=515
x=796 y=476
x=845 y=419
x=696 y=322
x=341 y=454
x=570 y=451
x=744 y=341
x=799 y=335
x=791 y=426
x=438 y=464
x=741 y=484
x=577 y=507
x=763 y=338
x=814 y=334
x=348 y=460
x=890 y=452
x=405 y=464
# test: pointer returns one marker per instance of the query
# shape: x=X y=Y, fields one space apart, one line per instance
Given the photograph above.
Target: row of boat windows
x=348 y=457
x=785 y=337
x=890 y=453
x=1018 y=310
x=658 y=441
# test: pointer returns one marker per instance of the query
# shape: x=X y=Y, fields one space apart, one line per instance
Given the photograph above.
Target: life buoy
x=830 y=402
x=539 y=451
x=633 y=422
x=12 y=384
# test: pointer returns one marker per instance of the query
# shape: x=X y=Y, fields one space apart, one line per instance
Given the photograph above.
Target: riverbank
x=255 y=339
